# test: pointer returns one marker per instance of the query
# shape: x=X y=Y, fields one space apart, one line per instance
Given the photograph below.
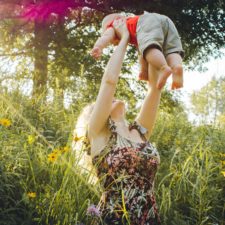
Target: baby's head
x=109 y=18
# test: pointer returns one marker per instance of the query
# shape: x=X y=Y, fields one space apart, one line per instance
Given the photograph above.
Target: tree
x=200 y=23
x=58 y=34
x=209 y=102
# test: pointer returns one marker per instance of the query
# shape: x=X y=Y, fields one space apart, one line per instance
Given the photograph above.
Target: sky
x=195 y=80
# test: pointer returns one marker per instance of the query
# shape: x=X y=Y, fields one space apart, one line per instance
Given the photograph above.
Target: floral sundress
x=126 y=170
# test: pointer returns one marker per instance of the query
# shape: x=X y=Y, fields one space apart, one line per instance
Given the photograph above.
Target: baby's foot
x=143 y=75
x=164 y=73
x=177 y=77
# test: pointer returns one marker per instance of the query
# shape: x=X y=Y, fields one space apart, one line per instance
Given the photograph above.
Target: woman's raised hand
x=121 y=28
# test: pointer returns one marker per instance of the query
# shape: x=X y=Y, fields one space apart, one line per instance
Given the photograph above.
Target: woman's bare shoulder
x=99 y=142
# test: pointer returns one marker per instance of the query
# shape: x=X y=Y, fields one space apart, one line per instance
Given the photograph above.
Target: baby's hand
x=96 y=52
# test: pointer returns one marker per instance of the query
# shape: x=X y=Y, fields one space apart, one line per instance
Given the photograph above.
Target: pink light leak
x=41 y=12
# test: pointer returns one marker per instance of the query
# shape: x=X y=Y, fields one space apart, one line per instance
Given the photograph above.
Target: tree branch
x=14 y=54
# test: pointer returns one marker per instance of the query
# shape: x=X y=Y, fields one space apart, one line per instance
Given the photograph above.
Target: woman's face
x=118 y=107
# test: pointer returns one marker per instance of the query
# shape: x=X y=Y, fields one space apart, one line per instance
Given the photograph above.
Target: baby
x=157 y=41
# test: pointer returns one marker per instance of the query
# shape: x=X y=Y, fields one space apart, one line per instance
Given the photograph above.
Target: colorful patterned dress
x=126 y=170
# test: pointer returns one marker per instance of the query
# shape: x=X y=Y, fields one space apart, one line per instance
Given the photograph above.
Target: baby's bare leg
x=174 y=60
x=143 y=75
x=156 y=58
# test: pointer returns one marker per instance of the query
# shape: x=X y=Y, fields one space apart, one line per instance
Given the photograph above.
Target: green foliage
x=209 y=102
x=190 y=187
x=55 y=54
x=200 y=23
x=35 y=132
x=189 y=184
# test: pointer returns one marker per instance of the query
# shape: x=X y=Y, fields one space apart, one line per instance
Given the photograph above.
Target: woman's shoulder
x=101 y=141
x=136 y=125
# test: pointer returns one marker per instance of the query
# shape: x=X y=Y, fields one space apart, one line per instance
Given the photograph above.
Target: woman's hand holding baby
x=120 y=28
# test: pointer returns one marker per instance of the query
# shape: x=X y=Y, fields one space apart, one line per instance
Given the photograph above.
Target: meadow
x=42 y=181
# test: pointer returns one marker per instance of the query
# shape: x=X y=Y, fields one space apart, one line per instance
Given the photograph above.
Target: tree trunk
x=41 y=42
x=59 y=78
x=58 y=94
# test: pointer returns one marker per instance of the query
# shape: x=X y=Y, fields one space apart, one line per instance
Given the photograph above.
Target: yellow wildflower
x=223 y=172
x=65 y=149
x=223 y=162
x=5 y=122
x=30 y=139
x=76 y=138
x=52 y=157
x=31 y=194
x=56 y=151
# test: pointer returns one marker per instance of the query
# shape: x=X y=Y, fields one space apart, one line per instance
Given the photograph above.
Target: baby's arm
x=106 y=39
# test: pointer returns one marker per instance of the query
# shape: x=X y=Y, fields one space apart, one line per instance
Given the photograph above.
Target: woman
x=126 y=162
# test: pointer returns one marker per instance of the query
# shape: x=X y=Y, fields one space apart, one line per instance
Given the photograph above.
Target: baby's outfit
x=153 y=30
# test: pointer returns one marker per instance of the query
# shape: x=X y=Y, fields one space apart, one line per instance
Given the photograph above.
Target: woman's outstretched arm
x=106 y=93
x=148 y=112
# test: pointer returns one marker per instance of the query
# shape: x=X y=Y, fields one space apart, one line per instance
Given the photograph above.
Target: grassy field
x=42 y=181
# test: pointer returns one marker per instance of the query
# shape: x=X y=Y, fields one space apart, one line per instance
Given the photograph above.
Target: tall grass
x=190 y=186
x=38 y=189
x=62 y=190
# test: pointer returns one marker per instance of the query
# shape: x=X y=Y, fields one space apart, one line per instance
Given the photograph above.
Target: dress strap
x=111 y=125
x=142 y=130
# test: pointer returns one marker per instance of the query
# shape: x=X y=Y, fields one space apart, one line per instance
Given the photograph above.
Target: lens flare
x=43 y=11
